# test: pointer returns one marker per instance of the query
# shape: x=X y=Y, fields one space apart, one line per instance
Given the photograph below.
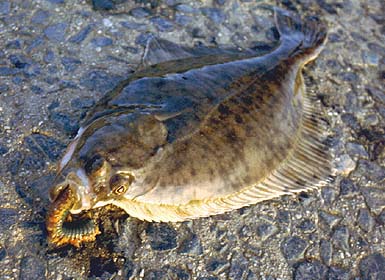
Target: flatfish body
x=199 y=132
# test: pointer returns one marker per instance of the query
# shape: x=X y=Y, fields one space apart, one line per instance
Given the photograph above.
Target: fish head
x=112 y=162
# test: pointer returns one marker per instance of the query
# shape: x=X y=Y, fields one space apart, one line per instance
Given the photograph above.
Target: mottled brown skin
x=187 y=138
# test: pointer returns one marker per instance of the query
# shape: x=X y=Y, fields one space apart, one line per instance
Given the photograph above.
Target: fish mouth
x=63 y=227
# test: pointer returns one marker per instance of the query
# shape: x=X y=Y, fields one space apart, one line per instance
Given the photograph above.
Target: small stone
x=32 y=267
x=329 y=195
x=36 y=42
x=214 y=14
x=99 y=266
x=307 y=226
x=102 y=42
x=373 y=267
x=56 y=32
x=6 y=71
x=70 y=63
x=14 y=44
x=356 y=150
x=186 y=9
x=68 y=124
x=350 y=120
x=3 y=253
x=140 y=12
x=49 y=56
x=100 y=81
x=162 y=236
x=266 y=230
x=182 y=19
x=239 y=267
x=56 y=1
x=8 y=217
x=370 y=170
x=81 y=35
x=349 y=77
x=216 y=265
x=36 y=89
x=3 y=150
x=82 y=103
x=374 y=198
x=376 y=94
x=326 y=251
x=40 y=17
x=329 y=219
x=5 y=7
x=365 y=220
x=344 y=165
x=293 y=248
x=4 y=88
x=340 y=238
x=162 y=24
x=347 y=187
x=370 y=58
x=103 y=4
x=177 y=273
x=336 y=273
x=190 y=245
x=220 y=2
x=155 y=275
x=143 y=38
x=39 y=144
x=134 y=25
x=310 y=270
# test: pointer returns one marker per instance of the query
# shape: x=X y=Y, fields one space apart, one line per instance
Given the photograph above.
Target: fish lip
x=81 y=187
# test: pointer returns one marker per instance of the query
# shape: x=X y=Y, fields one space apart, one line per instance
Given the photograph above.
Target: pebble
x=7 y=71
x=56 y=32
x=340 y=238
x=40 y=17
x=36 y=42
x=347 y=187
x=4 y=88
x=103 y=4
x=329 y=195
x=39 y=144
x=8 y=218
x=36 y=89
x=184 y=8
x=216 y=265
x=162 y=236
x=190 y=244
x=293 y=248
x=133 y=25
x=155 y=275
x=373 y=267
x=329 y=219
x=140 y=12
x=81 y=35
x=307 y=226
x=101 y=41
x=82 y=103
x=32 y=267
x=370 y=170
x=64 y=122
x=70 y=63
x=266 y=230
x=239 y=267
x=365 y=220
x=374 y=198
x=49 y=56
x=162 y=24
x=99 y=81
x=5 y=7
x=344 y=165
x=214 y=14
x=336 y=273
x=376 y=94
x=310 y=270
x=356 y=150
x=56 y=1
x=326 y=251
x=182 y=19
x=3 y=253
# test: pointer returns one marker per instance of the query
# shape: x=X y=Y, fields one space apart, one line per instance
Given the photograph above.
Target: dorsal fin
x=160 y=50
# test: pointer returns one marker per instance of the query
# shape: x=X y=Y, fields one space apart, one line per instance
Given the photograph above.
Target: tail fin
x=303 y=37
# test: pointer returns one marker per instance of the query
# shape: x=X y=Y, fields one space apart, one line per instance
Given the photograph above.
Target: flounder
x=197 y=132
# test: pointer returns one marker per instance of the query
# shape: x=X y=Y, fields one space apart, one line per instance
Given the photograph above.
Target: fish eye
x=119 y=183
x=94 y=164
